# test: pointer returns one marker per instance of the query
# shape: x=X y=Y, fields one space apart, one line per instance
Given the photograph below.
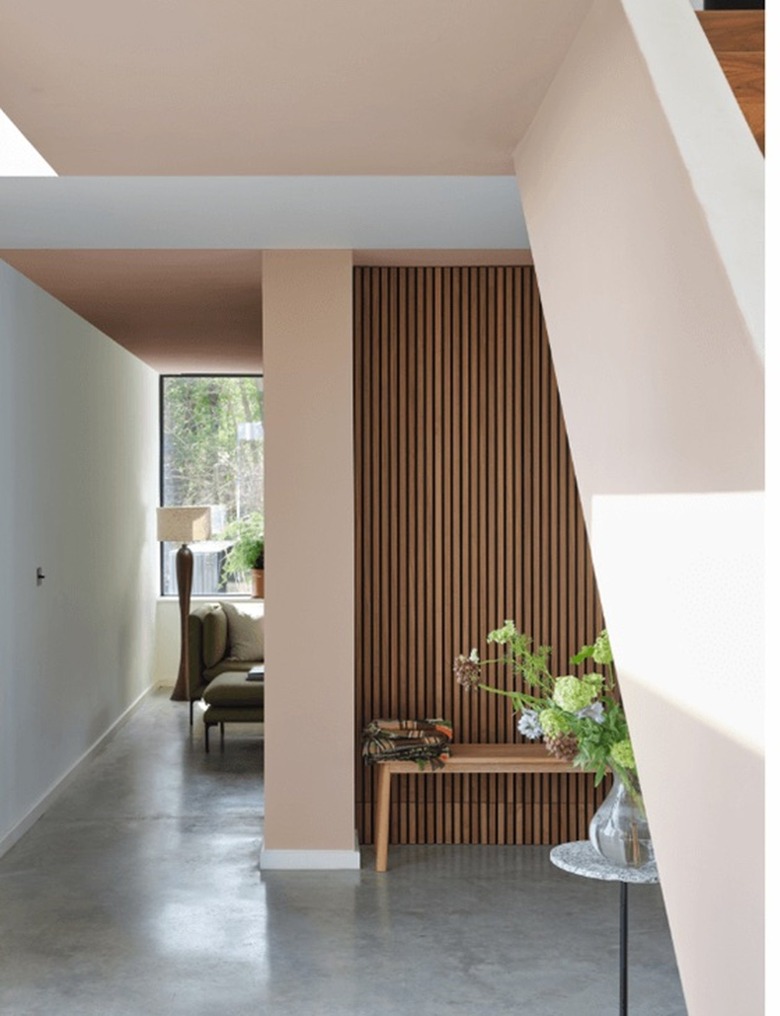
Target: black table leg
x=624 y=949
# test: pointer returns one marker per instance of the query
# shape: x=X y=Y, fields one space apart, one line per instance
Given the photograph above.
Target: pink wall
x=642 y=188
x=660 y=381
x=310 y=727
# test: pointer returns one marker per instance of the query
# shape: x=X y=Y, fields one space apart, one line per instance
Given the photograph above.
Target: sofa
x=226 y=641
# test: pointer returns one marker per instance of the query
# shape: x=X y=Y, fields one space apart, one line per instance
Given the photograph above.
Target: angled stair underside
x=737 y=38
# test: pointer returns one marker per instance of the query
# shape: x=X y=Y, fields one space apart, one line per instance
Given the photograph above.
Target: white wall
x=642 y=189
x=78 y=460
x=167 y=640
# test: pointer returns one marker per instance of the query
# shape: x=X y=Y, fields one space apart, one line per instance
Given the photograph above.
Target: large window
x=212 y=454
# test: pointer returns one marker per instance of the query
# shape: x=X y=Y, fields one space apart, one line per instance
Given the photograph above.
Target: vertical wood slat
x=467 y=513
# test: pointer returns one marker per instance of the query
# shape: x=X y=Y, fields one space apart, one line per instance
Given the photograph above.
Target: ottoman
x=231 y=698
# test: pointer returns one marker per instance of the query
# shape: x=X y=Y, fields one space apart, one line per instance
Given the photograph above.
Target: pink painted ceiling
x=267 y=87
x=180 y=311
x=257 y=87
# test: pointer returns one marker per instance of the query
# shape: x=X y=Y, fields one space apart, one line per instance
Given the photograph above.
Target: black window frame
x=161 y=458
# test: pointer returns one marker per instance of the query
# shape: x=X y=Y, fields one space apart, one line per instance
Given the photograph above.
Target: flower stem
x=519 y=698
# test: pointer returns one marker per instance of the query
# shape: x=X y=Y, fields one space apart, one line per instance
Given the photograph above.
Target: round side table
x=580 y=858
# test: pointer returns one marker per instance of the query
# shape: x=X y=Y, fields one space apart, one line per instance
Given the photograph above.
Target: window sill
x=204 y=597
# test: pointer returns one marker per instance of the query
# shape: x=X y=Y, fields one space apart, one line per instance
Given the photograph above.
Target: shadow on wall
x=712 y=823
x=681 y=580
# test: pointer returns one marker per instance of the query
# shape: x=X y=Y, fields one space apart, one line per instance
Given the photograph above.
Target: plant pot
x=258 y=583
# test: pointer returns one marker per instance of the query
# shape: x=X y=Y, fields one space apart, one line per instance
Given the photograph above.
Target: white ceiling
x=262 y=212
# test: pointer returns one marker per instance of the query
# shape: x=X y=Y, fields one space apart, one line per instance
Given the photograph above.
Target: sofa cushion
x=227 y=664
x=233 y=689
x=215 y=634
x=245 y=624
x=234 y=714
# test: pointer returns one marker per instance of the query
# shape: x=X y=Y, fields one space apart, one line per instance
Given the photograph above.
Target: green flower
x=602 y=651
x=503 y=635
x=595 y=682
x=571 y=694
x=553 y=723
x=622 y=754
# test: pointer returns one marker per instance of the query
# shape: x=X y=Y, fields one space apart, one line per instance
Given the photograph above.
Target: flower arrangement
x=577 y=718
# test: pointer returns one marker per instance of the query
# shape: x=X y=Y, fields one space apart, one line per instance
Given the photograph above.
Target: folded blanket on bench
x=421 y=741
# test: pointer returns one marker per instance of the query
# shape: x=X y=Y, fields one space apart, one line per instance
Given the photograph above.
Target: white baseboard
x=57 y=787
x=309 y=860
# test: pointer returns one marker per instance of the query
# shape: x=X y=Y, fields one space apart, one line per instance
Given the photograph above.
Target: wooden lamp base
x=184 y=583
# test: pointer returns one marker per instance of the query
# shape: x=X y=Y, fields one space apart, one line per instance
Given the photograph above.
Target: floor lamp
x=184 y=525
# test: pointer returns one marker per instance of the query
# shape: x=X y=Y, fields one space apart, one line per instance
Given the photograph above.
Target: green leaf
x=584 y=654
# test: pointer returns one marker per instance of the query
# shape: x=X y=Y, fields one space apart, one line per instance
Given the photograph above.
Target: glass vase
x=619 y=830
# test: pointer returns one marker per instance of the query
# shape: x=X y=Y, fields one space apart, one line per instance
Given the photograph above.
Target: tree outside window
x=212 y=453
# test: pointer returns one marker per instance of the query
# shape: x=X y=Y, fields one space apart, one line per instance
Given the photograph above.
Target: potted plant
x=248 y=551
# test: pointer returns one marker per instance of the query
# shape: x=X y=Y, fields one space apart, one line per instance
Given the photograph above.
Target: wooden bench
x=465 y=758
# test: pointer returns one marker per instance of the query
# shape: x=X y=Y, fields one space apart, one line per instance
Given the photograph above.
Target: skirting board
x=56 y=788
x=310 y=860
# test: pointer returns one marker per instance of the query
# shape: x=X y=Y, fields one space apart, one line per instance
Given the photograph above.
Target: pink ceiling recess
x=261 y=88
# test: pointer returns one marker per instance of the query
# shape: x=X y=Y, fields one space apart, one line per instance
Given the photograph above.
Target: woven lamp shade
x=185 y=524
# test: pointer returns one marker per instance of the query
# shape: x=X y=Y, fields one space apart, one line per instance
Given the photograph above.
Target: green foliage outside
x=212 y=453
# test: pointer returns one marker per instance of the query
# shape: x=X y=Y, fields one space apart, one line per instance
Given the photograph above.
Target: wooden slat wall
x=467 y=513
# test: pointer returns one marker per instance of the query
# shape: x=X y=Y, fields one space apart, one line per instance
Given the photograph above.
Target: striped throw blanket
x=421 y=741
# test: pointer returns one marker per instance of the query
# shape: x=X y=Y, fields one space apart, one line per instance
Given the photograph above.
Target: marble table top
x=581 y=859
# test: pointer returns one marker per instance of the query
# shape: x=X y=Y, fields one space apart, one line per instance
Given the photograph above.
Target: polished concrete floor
x=138 y=894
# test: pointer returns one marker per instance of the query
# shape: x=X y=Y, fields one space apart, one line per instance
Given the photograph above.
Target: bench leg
x=206 y=727
x=191 y=705
x=222 y=737
x=382 y=820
